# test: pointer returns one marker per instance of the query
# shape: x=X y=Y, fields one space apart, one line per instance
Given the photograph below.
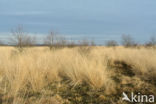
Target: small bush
x=111 y=43
x=128 y=41
x=152 y=41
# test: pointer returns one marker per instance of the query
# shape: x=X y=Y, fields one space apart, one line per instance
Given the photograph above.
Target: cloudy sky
x=98 y=19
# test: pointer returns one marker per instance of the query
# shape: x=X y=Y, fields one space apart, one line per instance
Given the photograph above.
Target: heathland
x=78 y=75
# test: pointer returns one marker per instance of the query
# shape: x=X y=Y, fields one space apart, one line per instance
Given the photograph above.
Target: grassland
x=80 y=75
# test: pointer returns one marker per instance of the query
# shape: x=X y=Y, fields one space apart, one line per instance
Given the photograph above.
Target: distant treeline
x=22 y=39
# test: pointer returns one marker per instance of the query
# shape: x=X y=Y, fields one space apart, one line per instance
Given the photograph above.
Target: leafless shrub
x=50 y=40
x=71 y=44
x=20 y=39
x=55 y=41
x=61 y=41
x=152 y=41
x=111 y=43
x=30 y=40
x=128 y=41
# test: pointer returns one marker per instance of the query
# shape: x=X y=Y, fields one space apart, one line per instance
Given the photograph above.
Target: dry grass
x=75 y=75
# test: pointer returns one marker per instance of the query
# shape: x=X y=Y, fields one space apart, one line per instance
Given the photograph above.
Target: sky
x=99 y=20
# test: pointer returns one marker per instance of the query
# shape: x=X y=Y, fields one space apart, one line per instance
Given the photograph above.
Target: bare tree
x=49 y=40
x=61 y=41
x=128 y=41
x=55 y=41
x=20 y=39
x=29 y=40
x=111 y=43
x=152 y=41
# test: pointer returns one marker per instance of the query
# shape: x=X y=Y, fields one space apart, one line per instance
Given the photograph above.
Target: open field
x=80 y=75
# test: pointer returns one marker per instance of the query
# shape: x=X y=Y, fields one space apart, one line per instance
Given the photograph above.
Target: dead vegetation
x=80 y=75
